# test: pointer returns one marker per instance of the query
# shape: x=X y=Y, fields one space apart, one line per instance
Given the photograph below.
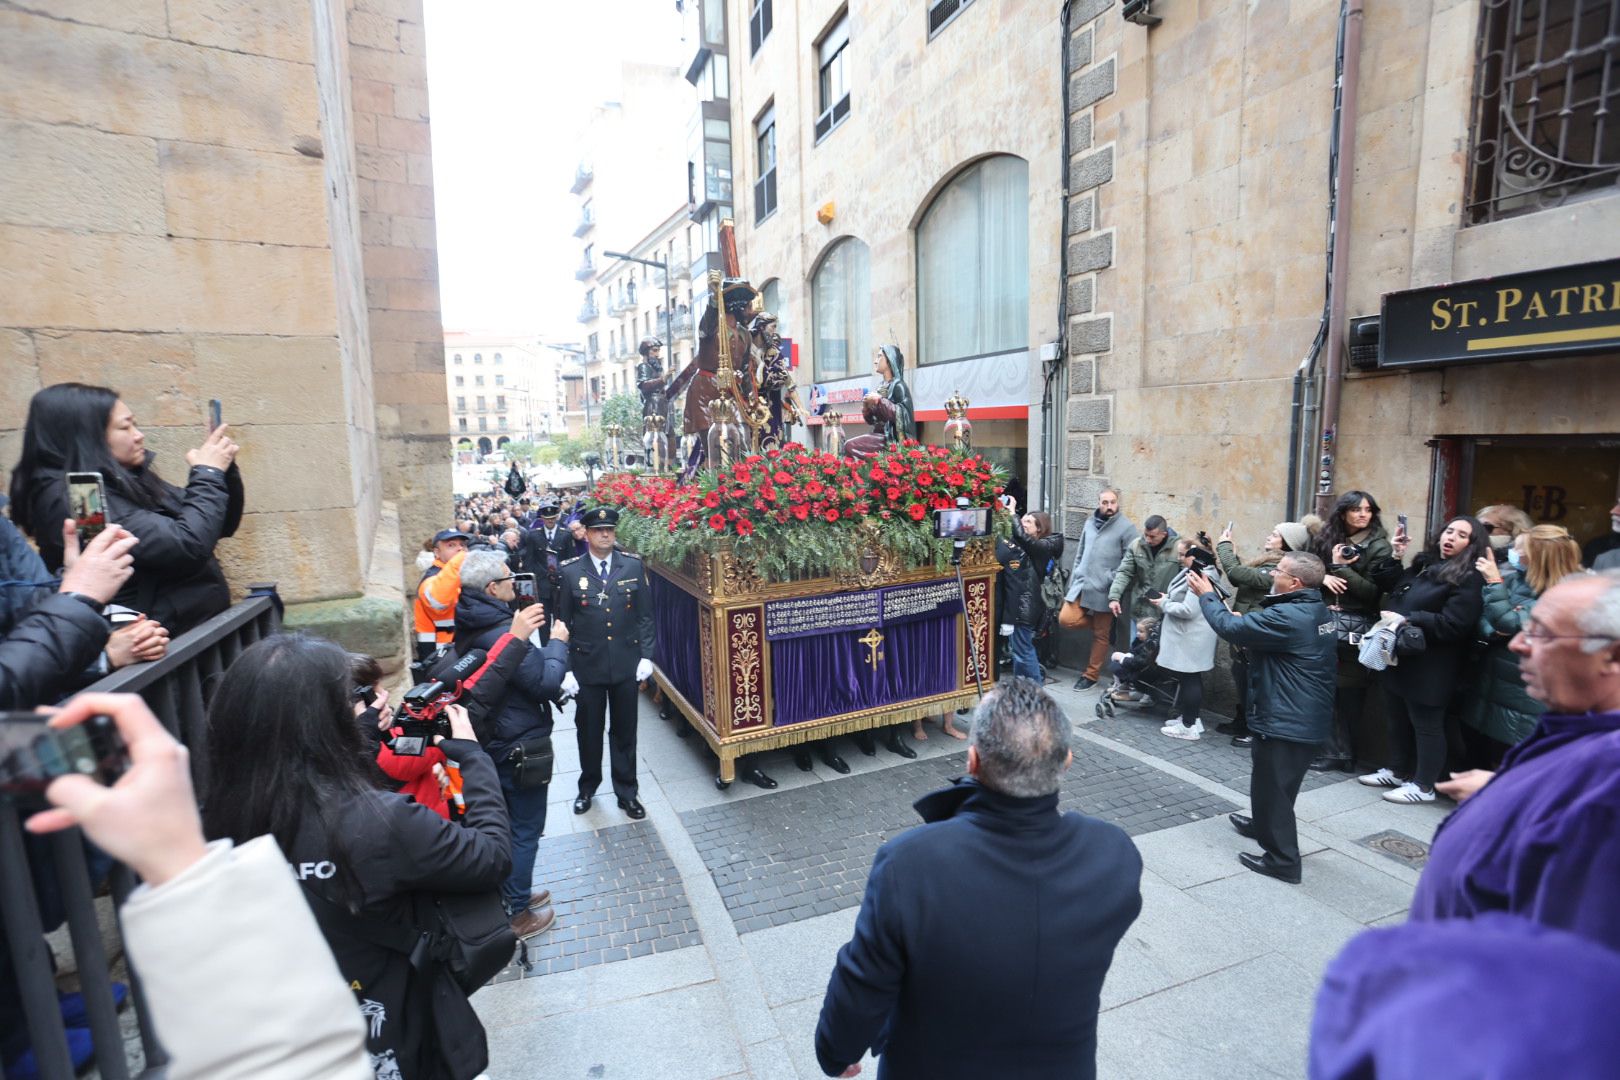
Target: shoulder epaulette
x=569 y=562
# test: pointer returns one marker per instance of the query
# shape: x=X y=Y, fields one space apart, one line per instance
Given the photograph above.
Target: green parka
x=1498 y=704
x=1363 y=595
x=1253 y=583
x=1142 y=571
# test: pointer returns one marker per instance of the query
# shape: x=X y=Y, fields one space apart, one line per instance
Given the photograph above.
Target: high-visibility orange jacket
x=436 y=596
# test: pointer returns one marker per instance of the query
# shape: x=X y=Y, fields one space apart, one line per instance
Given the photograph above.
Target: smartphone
x=213 y=415
x=1153 y=594
x=33 y=754
x=1229 y=525
x=1400 y=525
x=965 y=524
x=525 y=591
x=87 y=503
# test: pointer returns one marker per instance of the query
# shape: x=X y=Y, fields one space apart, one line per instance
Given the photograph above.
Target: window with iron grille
x=832 y=54
x=765 y=145
x=941 y=12
x=1546 y=91
x=759 y=25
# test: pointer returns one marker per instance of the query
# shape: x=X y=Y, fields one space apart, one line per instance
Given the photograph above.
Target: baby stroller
x=1139 y=683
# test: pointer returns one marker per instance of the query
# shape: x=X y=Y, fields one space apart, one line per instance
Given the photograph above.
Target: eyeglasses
x=1536 y=633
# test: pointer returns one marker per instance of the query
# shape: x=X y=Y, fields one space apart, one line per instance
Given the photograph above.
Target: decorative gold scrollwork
x=747 y=670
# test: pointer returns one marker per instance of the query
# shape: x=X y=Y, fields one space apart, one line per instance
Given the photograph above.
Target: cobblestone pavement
x=805 y=852
x=617 y=896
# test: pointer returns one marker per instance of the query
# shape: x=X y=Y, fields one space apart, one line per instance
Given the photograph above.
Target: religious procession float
x=801 y=594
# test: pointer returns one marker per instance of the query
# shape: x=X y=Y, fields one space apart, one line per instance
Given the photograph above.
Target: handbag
x=473 y=936
x=1071 y=616
x=532 y=760
x=1350 y=626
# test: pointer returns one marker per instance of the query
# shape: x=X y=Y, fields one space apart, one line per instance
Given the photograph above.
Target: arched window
x=841 y=306
x=478 y=358
x=458 y=358
x=973 y=264
x=771 y=296
x=498 y=358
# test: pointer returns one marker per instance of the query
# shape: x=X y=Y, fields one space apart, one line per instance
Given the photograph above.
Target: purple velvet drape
x=829 y=674
x=675 y=612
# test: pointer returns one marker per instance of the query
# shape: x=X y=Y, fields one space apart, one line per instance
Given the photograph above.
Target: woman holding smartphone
x=286 y=758
x=75 y=428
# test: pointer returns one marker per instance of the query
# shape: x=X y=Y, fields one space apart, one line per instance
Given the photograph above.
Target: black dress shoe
x=1083 y=683
x=1243 y=824
x=834 y=762
x=864 y=743
x=897 y=745
x=1244 y=740
x=582 y=804
x=801 y=758
x=1328 y=764
x=1258 y=864
x=633 y=808
x=755 y=776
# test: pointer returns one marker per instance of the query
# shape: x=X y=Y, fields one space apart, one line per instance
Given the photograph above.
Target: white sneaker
x=1409 y=793
x=1381 y=778
x=1175 y=729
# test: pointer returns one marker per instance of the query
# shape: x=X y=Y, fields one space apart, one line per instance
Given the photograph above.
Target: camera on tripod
x=422 y=712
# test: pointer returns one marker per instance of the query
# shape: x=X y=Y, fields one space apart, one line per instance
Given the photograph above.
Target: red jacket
x=416 y=773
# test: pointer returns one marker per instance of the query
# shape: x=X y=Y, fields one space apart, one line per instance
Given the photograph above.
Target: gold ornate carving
x=706 y=647
x=877 y=565
x=738 y=578
x=747 y=670
x=977 y=667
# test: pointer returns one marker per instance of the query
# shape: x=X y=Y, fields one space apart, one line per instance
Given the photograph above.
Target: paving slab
x=794 y=961
x=1294 y=923
x=1418 y=821
x=1203 y=851
x=1354 y=888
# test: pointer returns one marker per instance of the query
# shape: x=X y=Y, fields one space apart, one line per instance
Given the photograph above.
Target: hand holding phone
x=216 y=452
x=214 y=418
x=1400 y=526
x=87 y=502
x=524 y=591
x=148 y=817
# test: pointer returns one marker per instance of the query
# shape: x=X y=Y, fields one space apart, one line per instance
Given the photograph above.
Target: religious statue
x=654 y=406
x=879 y=413
x=779 y=401
x=890 y=367
x=723 y=346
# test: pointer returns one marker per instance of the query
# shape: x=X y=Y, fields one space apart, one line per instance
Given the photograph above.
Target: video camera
x=422 y=711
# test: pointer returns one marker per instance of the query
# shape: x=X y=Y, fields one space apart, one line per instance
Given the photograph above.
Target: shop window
x=1546 y=94
x=841 y=306
x=973 y=264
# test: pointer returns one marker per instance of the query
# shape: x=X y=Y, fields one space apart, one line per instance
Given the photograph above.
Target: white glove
x=570 y=685
x=1006 y=629
x=644 y=671
x=1119 y=657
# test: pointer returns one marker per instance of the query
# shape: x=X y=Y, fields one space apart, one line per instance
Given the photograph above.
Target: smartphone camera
x=33 y=754
x=87 y=503
x=524 y=591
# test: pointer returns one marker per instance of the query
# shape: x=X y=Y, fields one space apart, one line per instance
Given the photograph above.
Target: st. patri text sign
x=1566 y=311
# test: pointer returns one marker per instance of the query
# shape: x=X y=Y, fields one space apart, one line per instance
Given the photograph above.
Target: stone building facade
x=1198 y=237
x=503 y=388
x=213 y=199
x=898 y=171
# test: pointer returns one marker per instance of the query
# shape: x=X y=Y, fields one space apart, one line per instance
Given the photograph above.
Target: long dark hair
x=67 y=432
x=282 y=743
x=1455 y=570
x=1335 y=532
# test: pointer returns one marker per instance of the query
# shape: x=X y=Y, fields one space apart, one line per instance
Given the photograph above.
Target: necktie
x=601 y=569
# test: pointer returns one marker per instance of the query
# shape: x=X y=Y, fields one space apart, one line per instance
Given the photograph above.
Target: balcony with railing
x=583 y=174
x=589 y=312
x=585 y=271
x=622 y=303
x=587 y=221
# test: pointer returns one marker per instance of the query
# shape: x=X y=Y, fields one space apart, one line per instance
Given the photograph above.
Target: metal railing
x=177 y=688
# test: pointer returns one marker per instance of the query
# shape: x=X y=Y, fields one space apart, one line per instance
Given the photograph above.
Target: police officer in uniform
x=544 y=549
x=607 y=605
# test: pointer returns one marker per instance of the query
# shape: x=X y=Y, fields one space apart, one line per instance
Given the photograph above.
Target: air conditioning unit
x=1362 y=341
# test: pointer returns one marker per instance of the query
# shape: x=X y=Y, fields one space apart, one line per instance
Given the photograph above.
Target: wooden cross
x=872 y=640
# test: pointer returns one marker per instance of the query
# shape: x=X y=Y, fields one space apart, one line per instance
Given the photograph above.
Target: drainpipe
x=1051 y=431
x=1349 y=70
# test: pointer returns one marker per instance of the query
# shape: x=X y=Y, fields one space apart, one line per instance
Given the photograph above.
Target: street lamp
x=669 y=308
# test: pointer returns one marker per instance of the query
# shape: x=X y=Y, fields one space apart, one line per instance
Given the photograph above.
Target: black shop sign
x=1567 y=311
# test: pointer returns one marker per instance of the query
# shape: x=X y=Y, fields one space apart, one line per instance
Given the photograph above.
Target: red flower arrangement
x=795 y=510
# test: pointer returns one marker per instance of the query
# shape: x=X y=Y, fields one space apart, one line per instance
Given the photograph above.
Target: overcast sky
x=509 y=83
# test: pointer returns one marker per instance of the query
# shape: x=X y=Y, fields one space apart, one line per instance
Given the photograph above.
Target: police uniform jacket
x=610 y=623
x=535 y=548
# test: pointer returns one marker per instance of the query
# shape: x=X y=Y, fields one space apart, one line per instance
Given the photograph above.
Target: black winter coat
x=1447 y=614
x=524 y=710
x=177 y=580
x=1024 y=563
x=1293 y=660
x=610 y=623
x=43 y=655
x=1031 y=927
x=397 y=849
